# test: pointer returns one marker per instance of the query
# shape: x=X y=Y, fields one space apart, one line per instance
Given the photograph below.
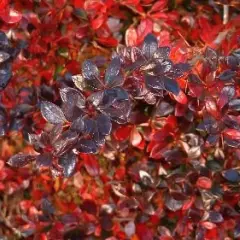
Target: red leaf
x=59 y=3
x=158 y=6
x=78 y=3
x=208 y=225
x=145 y=27
x=10 y=16
x=131 y=37
x=232 y=133
x=3 y=4
x=204 y=182
x=211 y=107
x=91 y=164
x=108 y=42
x=82 y=31
x=143 y=232
x=122 y=133
x=98 y=22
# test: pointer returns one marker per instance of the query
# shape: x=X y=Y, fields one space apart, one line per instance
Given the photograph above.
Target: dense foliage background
x=119 y=119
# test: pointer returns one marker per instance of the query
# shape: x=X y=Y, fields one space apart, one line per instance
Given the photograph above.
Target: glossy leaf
x=113 y=75
x=104 y=124
x=149 y=46
x=72 y=97
x=20 y=160
x=52 y=113
x=86 y=146
x=68 y=161
x=5 y=75
x=231 y=175
x=91 y=75
x=171 y=85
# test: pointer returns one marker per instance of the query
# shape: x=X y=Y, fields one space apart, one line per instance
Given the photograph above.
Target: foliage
x=119 y=119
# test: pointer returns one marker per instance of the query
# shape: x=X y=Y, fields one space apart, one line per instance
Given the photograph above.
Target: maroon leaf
x=91 y=165
x=215 y=217
x=227 y=75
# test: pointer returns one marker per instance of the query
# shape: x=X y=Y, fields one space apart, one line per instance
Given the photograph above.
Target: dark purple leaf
x=5 y=75
x=237 y=231
x=236 y=53
x=212 y=57
x=89 y=125
x=179 y=69
x=113 y=75
x=96 y=98
x=171 y=85
x=172 y=204
x=98 y=137
x=44 y=160
x=104 y=124
x=21 y=159
x=3 y=40
x=163 y=67
x=231 y=142
x=119 y=111
x=55 y=132
x=154 y=83
x=162 y=53
x=232 y=62
x=212 y=139
x=227 y=75
x=234 y=104
x=78 y=125
x=68 y=161
x=226 y=95
x=106 y=222
x=52 y=113
x=91 y=76
x=35 y=140
x=66 y=142
x=150 y=45
x=86 y=146
x=4 y=56
x=71 y=112
x=232 y=122
x=47 y=207
x=193 y=78
x=72 y=97
x=232 y=175
x=113 y=95
x=215 y=217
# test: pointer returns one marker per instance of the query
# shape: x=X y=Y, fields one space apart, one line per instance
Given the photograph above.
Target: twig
x=8 y=224
x=225 y=13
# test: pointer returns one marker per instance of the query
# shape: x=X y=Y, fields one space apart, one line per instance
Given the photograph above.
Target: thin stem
x=225 y=13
